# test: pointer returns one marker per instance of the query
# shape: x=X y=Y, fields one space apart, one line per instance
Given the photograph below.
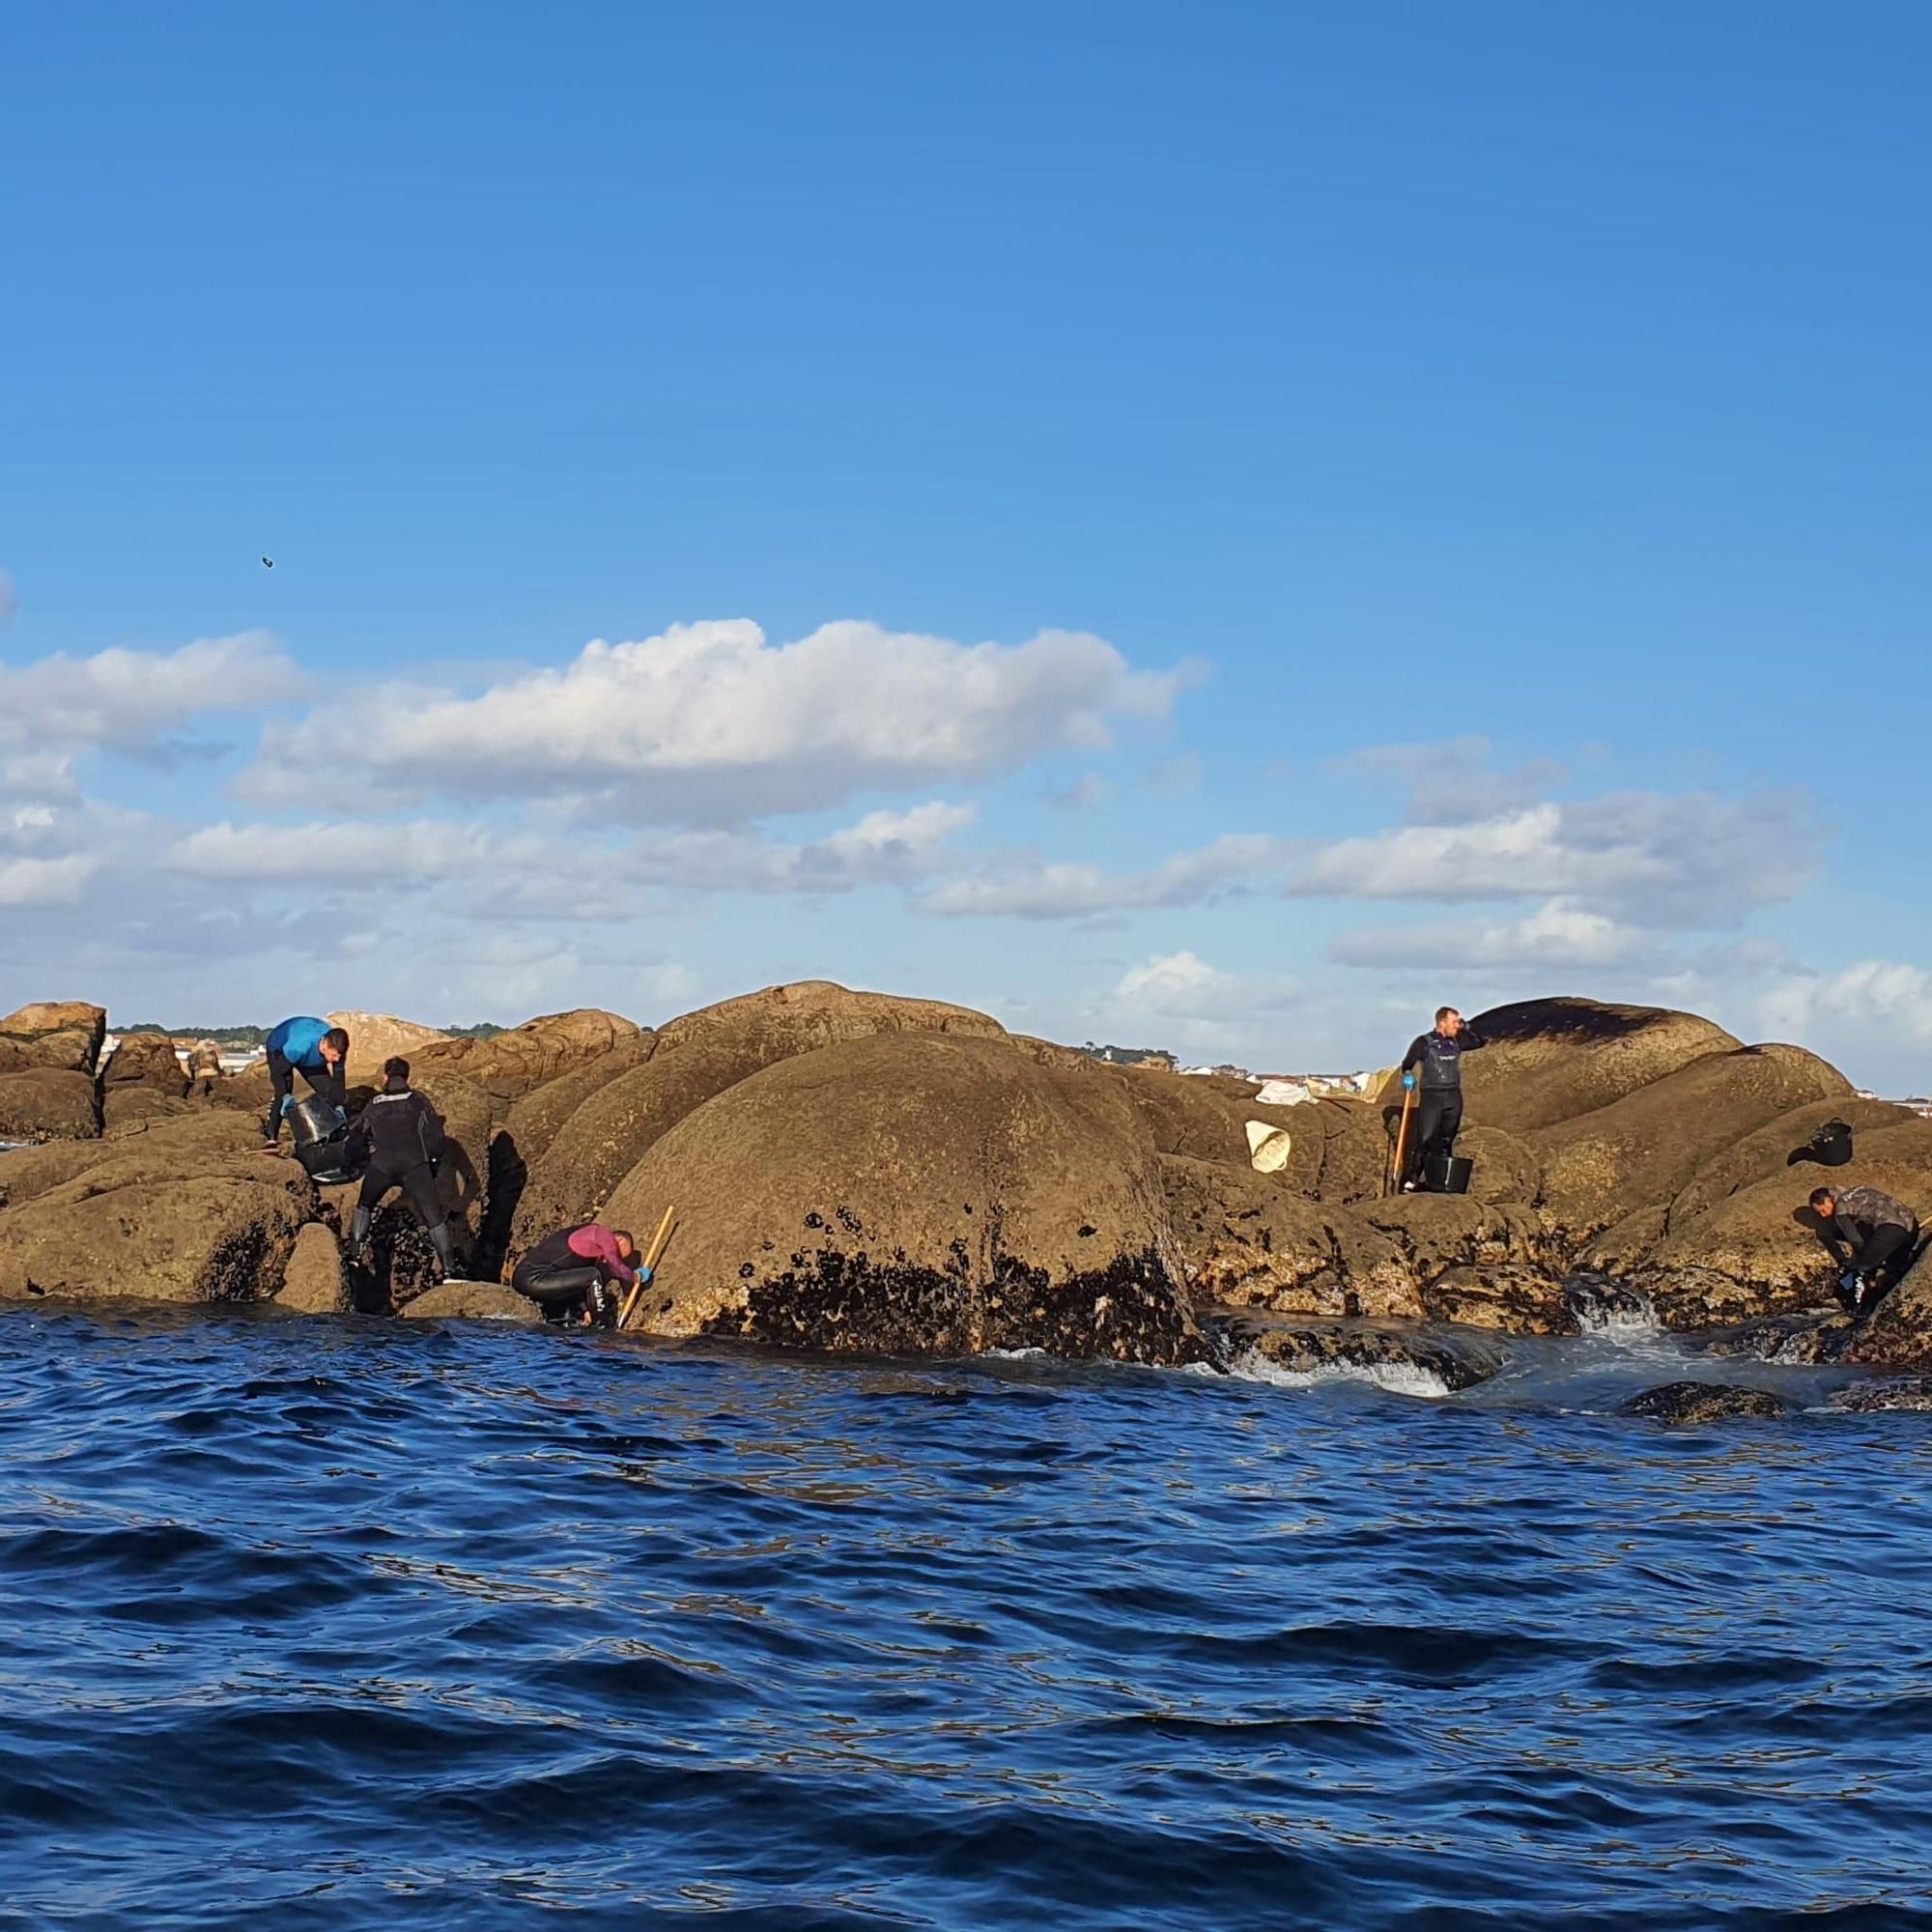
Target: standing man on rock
x=1433 y=1065
x=319 y=1052
x=402 y=1135
x=1871 y=1237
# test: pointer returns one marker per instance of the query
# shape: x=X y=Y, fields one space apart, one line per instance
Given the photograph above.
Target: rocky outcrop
x=1897 y=1334
x=914 y=1193
x=510 y=1064
x=160 y=1220
x=1684 y=1403
x=1808 y=1337
x=374 y=1037
x=472 y=1301
x=145 y=1060
x=1548 y=1061
x=46 y=1103
x=65 y=1035
x=1245 y=1241
x=690 y=1060
x=314 y=1282
x=1644 y=1148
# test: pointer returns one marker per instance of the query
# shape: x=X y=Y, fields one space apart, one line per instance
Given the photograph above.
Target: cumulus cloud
x=25 y=882
x=1873 y=993
x=1691 y=858
x=710 y=722
x=1027 y=886
x=491 y=874
x=130 y=701
x=1452 y=783
x=1195 y=1005
x=1556 y=934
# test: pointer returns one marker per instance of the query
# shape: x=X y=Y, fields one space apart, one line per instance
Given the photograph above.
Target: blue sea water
x=318 y=1625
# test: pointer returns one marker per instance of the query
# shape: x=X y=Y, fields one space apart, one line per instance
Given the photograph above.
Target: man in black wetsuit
x=1433 y=1065
x=1871 y=1237
x=402 y=1134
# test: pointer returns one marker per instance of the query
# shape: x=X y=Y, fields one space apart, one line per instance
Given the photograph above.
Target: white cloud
x=709 y=723
x=1026 y=886
x=1451 y=783
x=130 y=700
x=1874 y=993
x=1558 y=933
x=25 y=882
x=350 y=853
x=1689 y=860
x=1193 y=1005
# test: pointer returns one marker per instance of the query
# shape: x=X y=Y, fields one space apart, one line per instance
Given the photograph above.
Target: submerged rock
x=1703 y=1401
x=1810 y=1336
x=472 y=1301
x=1415 y=1360
x=1866 y=1398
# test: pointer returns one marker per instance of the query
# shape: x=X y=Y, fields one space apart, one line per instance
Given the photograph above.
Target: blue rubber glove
x=1409 y=1080
x=644 y=1277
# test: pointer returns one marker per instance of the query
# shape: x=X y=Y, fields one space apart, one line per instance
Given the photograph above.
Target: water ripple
x=356 y=1625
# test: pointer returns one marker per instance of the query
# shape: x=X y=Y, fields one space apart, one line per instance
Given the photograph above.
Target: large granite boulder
x=691 y=1058
x=472 y=1301
x=510 y=1064
x=1408 y=1360
x=145 y=1060
x=374 y=1037
x=1765 y=1152
x=1642 y=1150
x=30 y=1171
x=1897 y=1333
x=161 y=1219
x=914 y=1193
x=62 y=1034
x=1201 y=1116
x=1247 y=1241
x=1552 y=1060
x=48 y=1103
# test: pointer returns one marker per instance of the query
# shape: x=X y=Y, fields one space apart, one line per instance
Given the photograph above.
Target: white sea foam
x=1408 y=1379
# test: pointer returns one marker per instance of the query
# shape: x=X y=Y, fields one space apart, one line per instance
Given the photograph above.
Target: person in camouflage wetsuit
x=1871 y=1236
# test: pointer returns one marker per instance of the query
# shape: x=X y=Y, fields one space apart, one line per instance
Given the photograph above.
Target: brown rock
x=1412 y=1361
x=46 y=1103
x=515 y=1063
x=1438 y=1232
x=61 y=1034
x=1513 y=1298
x=1682 y=1402
x=1765 y=1152
x=1246 y=1241
x=474 y=1301
x=373 y=1038
x=32 y=1171
x=314 y=1283
x=914 y=1193
x=137 y=1108
x=145 y=1060
x=1897 y=1334
x=1201 y=1116
x=1552 y=1060
x=163 y=1223
x=1644 y=1148
x=690 y=1060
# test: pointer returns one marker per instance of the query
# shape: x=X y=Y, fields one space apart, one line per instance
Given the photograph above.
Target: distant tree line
x=253 y=1036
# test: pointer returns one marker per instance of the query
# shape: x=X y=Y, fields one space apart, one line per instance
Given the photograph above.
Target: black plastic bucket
x=1829 y=1147
x=314 y=1118
x=1447 y=1174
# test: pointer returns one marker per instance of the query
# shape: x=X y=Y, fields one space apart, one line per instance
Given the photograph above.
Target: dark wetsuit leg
x=556 y=1289
x=1438 y=1118
x=281 y=1089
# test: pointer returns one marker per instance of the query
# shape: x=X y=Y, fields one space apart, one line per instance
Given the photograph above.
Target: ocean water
x=318 y=1625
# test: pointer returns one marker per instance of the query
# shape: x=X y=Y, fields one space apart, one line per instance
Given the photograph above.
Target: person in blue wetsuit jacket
x=1433 y=1065
x=315 y=1050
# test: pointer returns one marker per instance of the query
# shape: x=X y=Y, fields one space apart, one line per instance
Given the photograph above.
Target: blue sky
x=1256 y=519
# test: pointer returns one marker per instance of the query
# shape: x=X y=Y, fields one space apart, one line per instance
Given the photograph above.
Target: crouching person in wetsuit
x=315 y=1050
x=1433 y=1063
x=570 y=1274
x=402 y=1135
x=1872 y=1238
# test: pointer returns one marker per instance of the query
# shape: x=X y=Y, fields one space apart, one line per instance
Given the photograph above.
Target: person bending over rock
x=402 y=1135
x=204 y=1067
x=570 y=1274
x=315 y=1050
x=1433 y=1063
x=1871 y=1237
